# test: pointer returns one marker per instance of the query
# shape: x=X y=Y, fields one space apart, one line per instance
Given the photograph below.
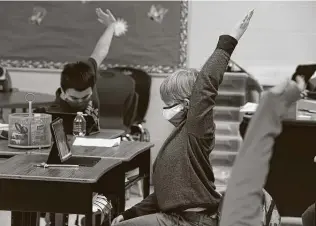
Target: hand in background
x=242 y=26
x=117 y=220
x=105 y=18
x=300 y=82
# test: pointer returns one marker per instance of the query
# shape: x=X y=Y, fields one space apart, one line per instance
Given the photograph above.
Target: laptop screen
x=60 y=138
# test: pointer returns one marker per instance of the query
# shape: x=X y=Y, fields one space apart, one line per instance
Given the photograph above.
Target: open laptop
x=60 y=152
x=68 y=118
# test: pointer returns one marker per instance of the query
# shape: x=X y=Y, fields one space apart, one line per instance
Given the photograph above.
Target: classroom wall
x=280 y=35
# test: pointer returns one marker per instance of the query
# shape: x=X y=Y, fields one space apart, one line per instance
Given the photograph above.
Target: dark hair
x=78 y=76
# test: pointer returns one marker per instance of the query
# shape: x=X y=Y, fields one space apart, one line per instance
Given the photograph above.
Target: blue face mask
x=175 y=114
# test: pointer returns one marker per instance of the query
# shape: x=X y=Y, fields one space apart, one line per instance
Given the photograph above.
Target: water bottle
x=79 y=125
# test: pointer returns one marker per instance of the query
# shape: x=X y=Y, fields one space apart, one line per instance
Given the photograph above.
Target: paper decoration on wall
x=157 y=13
x=120 y=27
x=38 y=15
x=127 y=72
x=107 y=18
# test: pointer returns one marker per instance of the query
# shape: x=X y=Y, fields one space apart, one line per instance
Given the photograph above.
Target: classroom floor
x=134 y=199
x=5 y=216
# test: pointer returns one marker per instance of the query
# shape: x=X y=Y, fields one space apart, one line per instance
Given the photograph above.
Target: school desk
x=132 y=155
x=290 y=180
x=7 y=151
x=27 y=188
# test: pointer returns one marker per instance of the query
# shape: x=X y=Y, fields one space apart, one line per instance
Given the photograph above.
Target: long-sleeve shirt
x=244 y=191
x=182 y=174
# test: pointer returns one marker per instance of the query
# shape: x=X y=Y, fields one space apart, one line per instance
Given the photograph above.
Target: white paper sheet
x=4 y=126
x=96 y=142
x=249 y=107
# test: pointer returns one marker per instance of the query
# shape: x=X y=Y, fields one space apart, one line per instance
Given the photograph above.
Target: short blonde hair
x=178 y=86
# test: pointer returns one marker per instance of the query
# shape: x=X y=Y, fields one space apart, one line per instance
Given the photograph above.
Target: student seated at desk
x=183 y=179
x=77 y=90
x=242 y=202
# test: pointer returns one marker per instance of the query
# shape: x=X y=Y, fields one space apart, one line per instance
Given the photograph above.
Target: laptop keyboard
x=82 y=161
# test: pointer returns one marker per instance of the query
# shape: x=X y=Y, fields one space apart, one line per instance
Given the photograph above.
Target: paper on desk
x=97 y=142
x=249 y=107
x=4 y=126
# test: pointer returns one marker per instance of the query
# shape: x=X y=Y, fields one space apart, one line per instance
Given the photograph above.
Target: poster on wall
x=48 y=34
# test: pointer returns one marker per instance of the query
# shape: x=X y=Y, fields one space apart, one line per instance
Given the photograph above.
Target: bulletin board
x=49 y=34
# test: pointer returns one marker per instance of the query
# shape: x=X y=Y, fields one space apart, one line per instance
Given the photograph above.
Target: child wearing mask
x=77 y=90
x=183 y=179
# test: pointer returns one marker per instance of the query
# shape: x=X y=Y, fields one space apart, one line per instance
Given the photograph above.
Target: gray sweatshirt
x=244 y=192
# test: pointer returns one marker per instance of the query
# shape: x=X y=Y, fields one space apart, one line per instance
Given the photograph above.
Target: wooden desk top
x=126 y=151
x=108 y=133
x=22 y=167
x=5 y=150
x=288 y=121
x=16 y=99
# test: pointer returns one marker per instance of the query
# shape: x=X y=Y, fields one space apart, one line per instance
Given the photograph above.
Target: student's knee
x=130 y=222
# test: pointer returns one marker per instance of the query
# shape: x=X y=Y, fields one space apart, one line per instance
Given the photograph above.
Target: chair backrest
x=142 y=87
x=5 y=80
x=118 y=99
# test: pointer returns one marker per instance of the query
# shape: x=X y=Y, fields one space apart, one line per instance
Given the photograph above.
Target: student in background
x=77 y=90
x=254 y=89
x=242 y=202
x=183 y=179
x=270 y=213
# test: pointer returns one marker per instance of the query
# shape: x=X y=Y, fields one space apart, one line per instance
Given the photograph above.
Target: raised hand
x=117 y=220
x=105 y=18
x=241 y=26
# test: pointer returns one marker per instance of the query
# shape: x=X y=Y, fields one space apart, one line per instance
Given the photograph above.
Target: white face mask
x=171 y=112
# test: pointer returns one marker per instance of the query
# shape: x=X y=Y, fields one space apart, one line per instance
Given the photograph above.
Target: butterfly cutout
x=38 y=15
x=157 y=13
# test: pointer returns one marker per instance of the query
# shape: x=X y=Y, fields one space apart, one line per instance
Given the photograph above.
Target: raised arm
x=200 y=115
x=103 y=45
x=244 y=192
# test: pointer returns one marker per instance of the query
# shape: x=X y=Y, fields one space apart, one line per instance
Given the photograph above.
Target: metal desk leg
x=1 y=115
x=88 y=219
x=89 y=215
x=121 y=192
x=24 y=219
x=145 y=170
x=16 y=218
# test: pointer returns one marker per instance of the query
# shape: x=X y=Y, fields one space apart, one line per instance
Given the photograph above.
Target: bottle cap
x=79 y=113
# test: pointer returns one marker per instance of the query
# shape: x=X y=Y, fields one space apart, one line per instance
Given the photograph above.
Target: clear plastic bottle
x=79 y=125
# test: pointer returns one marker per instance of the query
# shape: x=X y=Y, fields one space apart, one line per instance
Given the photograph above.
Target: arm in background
x=242 y=203
x=103 y=45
